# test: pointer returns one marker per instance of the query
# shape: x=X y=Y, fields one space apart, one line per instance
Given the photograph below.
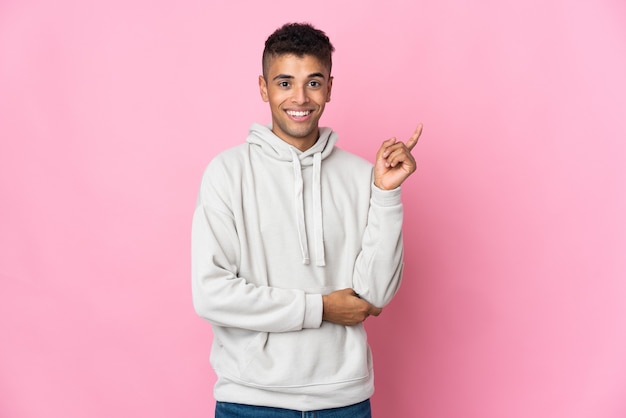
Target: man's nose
x=299 y=96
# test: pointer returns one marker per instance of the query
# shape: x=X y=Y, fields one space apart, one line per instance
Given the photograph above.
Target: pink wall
x=514 y=300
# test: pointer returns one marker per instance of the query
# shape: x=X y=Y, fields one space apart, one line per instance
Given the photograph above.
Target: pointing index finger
x=415 y=137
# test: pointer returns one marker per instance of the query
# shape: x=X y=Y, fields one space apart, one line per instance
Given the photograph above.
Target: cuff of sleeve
x=386 y=197
x=313 y=311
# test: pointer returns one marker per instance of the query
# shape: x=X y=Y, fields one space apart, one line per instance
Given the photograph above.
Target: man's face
x=297 y=89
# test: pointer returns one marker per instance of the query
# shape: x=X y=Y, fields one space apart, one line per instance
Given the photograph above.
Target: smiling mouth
x=298 y=113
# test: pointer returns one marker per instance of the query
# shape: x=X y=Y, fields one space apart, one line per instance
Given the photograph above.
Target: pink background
x=514 y=297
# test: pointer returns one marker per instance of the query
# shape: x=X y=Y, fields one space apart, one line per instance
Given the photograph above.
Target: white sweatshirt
x=275 y=229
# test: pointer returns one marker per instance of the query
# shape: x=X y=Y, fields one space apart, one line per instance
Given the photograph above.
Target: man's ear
x=330 y=87
x=263 y=89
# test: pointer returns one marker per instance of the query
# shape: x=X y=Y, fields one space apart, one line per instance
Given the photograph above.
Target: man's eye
x=314 y=84
x=284 y=84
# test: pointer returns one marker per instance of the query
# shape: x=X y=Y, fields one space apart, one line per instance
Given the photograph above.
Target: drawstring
x=317 y=208
x=299 y=203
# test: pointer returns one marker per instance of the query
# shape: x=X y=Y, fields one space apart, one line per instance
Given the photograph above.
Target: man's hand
x=394 y=162
x=345 y=307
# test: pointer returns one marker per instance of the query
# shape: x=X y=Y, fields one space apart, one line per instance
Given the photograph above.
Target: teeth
x=298 y=113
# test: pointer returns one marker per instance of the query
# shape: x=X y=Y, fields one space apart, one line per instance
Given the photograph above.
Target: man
x=295 y=242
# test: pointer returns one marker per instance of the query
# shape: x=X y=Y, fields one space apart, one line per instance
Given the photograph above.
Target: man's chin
x=301 y=133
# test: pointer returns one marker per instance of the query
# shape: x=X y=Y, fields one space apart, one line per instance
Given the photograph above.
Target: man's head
x=298 y=39
x=296 y=82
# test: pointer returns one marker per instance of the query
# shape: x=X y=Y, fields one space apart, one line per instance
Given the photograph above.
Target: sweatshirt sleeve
x=378 y=269
x=221 y=295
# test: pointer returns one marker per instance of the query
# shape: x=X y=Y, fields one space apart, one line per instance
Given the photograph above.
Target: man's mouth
x=298 y=113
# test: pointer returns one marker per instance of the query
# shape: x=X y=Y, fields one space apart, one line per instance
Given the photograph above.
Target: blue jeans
x=235 y=410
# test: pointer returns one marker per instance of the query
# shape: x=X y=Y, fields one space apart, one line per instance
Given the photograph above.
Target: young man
x=295 y=242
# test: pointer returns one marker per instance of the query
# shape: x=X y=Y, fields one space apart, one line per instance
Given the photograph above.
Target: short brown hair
x=298 y=39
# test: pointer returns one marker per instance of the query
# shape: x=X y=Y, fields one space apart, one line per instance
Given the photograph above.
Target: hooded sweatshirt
x=274 y=229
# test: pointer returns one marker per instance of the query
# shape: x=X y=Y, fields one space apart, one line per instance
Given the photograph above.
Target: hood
x=274 y=147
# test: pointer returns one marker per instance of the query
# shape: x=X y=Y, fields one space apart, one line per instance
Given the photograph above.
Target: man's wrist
x=313 y=311
x=384 y=197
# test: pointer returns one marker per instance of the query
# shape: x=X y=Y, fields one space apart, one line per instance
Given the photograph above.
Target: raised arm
x=378 y=269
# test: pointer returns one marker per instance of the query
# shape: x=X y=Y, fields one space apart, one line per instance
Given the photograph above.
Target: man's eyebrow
x=283 y=76
x=289 y=77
